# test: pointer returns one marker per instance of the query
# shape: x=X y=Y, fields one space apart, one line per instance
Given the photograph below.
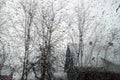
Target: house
x=73 y=61
x=6 y=73
x=108 y=70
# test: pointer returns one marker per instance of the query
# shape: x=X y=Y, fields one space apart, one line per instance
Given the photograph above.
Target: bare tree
x=29 y=8
x=3 y=52
x=89 y=32
x=50 y=32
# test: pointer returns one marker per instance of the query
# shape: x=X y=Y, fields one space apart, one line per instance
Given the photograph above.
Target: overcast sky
x=104 y=10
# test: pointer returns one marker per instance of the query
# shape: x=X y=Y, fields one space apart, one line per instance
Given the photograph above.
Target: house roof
x=110 y=66
x=73 y=50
